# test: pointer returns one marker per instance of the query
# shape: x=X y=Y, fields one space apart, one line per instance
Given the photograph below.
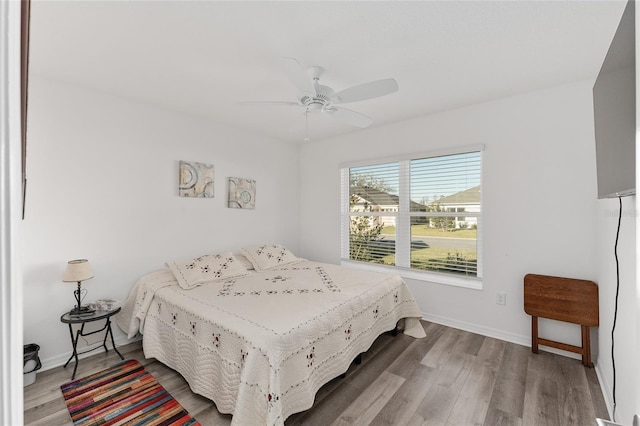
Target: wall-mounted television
x=614 y=105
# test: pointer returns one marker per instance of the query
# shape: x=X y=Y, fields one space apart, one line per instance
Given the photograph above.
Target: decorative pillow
x=244 y=261
x=213 y=267
x=268 y=256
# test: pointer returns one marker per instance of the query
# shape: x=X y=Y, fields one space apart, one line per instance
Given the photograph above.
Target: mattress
x=261 y=346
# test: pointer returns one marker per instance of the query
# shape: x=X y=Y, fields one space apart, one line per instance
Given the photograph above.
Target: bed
x=260 y=342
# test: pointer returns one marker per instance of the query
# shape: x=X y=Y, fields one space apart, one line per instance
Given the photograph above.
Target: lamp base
x=82 y=310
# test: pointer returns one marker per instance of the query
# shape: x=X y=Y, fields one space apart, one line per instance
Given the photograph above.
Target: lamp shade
x=77 y=270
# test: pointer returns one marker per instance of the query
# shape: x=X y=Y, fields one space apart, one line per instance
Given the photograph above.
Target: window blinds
x=420 y=213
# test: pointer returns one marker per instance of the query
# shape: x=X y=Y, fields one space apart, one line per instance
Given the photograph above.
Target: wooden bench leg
x=534 y=334
x=586 y=346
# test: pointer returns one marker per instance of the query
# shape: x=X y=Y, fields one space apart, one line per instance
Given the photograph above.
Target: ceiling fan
x=318 y=98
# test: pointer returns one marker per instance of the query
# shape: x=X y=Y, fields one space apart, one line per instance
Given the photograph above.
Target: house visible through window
x=419 y=214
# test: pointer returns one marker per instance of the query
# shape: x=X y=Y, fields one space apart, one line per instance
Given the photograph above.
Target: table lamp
x=77 y=271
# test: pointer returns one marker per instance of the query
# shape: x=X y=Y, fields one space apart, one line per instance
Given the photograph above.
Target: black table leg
x=74 y=347
x=74 y=341
x=113 y=343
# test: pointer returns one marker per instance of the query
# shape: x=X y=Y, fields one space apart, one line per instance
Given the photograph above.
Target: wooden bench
x=562 y=299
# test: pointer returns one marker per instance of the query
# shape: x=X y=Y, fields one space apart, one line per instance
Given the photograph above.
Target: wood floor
x=451 y=377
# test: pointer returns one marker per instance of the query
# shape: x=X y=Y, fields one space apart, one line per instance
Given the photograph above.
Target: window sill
x=433 y=277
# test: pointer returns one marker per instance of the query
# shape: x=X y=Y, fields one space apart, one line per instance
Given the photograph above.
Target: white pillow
x=245 y=262
x=212 y=267
x=268 y=256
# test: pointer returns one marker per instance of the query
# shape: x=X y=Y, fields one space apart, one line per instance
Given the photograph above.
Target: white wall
x=627 y=331
x=539 y=193
x=102 y=185
x=626 y=358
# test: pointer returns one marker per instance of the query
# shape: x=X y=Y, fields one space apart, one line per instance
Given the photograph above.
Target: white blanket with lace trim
x=261 y=346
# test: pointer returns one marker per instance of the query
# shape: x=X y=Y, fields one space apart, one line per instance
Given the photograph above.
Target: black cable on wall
x=615 y=311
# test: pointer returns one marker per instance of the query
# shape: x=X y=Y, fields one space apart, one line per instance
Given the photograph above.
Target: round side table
x=69 y=319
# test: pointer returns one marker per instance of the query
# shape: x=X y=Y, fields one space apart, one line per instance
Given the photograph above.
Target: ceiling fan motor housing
x=321 y=100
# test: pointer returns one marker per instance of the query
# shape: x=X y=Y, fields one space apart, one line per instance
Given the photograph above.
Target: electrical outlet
x=501 y=298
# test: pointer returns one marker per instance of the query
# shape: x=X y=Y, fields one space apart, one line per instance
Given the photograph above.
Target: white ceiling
x=206 y=57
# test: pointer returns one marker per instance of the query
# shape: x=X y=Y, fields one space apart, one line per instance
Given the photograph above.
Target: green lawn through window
x=426 y=231
x=457 y=260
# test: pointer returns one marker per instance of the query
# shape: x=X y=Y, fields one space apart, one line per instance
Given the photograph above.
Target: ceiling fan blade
x=362 y=92
x=350 y=117
x=297 y=76
x=270 y=103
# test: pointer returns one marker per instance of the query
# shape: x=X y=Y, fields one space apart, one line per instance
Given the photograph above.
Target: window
x=422 y=215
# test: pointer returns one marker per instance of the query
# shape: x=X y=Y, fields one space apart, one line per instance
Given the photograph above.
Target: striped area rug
x=125 y=394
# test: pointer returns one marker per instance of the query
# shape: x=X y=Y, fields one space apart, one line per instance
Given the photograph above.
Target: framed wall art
x=196 y=180
x=242 y=193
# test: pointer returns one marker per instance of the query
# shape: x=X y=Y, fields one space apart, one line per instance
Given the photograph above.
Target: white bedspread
x=261 y=346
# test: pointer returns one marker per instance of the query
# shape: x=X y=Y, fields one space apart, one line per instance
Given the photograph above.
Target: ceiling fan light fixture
x=316 y=106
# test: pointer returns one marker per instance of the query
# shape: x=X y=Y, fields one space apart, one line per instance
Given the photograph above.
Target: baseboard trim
x=518 y=339
x=606 y=390
x=59 y=360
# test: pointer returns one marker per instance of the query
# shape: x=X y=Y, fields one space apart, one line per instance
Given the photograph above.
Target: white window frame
x=403 y=252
